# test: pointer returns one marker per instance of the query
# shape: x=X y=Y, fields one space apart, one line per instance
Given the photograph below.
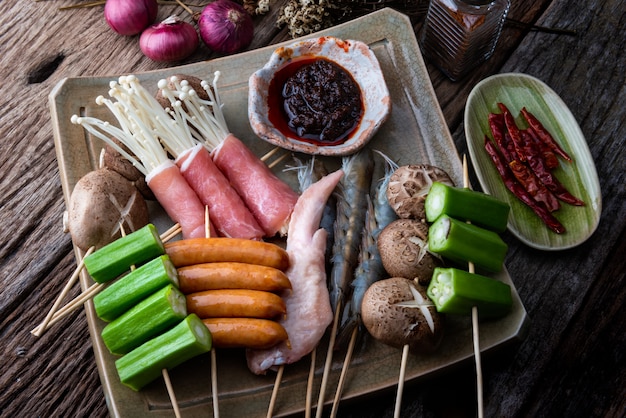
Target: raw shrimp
x=370 y=268
x=352 y=195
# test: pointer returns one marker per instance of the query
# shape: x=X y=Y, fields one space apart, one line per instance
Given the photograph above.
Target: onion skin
x=169 y=41
x=225 y=27
x=130 y=17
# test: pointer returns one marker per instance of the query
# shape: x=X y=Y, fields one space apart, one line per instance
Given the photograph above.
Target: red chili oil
x=315 y=100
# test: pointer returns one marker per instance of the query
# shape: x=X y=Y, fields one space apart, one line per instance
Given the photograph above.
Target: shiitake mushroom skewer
x=475 y=338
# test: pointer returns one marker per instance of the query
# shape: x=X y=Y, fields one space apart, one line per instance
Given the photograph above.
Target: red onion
x=130 y=17
x=225 y=27
x=170 y=40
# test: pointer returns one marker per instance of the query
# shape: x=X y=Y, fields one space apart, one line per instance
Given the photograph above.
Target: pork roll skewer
x=139 y=134
x=270 y=200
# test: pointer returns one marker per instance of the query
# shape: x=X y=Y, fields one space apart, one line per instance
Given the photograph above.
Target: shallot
x=225 y=27
x=130 y=17
x=171 y=40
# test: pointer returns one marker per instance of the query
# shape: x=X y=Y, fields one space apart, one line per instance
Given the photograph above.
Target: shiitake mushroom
x=195 y=84
x=113 y=160
x=402 y=246
x=397 y=312
x=409 y=185
x=101 y=201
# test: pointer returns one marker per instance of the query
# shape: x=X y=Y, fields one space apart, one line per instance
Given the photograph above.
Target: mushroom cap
x=113 y=160
x=100 y=201
x=402 y=246
x=420 y=326
x=194 y=82
x=409 y=185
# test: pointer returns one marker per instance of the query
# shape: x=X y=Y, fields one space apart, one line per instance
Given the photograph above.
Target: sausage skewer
x=216 y=409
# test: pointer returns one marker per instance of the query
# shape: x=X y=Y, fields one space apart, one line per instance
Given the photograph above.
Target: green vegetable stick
x=462 y=243
x=467 y=205
x=456 y=291
x=129 y=290
x=148 y=318
x=115 y=258
x=145 y=363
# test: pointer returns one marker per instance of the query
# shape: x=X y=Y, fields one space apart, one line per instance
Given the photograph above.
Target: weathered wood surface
x=571 y=364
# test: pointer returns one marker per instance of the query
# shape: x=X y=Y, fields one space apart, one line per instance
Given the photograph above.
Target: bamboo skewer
x=475 y=333
x=279 y=377
x=68 y=308
x=344 y=372
x=405 y=356
x=270 y=153
x=170 y=392
x=64 y=292
x=309 y=385
x=216 y=409
x=328 y=363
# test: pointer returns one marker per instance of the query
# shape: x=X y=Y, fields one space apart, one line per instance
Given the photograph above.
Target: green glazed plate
x=579 y=176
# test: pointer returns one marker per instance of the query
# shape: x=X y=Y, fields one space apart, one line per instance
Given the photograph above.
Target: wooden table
x=572 y=362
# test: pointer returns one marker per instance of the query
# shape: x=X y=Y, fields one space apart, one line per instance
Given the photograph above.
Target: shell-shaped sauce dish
x=357 y=59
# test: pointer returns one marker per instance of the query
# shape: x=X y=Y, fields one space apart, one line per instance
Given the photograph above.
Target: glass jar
x=460 y=34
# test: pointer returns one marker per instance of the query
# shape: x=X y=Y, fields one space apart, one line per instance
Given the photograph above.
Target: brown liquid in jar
x=315 y=99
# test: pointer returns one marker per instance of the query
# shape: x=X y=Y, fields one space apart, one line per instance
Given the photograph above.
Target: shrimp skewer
x=351 y=208
x=370 y=269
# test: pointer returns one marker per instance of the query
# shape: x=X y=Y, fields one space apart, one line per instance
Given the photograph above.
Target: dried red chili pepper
x=537 y=165
x=543 y=134
x=549 y=157
x=533 y=185
x=518 y=191
x=524 y=175
x=498 y=131
x=513 y=131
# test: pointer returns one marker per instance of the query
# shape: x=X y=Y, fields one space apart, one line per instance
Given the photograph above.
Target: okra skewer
x=164 y=372
x=55 y=314
x=475 y=327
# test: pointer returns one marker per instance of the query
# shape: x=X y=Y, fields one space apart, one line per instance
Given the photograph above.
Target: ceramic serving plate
x=579 y=176
x=414 y=133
